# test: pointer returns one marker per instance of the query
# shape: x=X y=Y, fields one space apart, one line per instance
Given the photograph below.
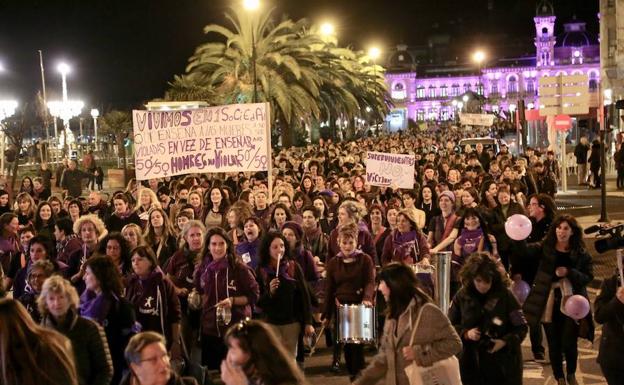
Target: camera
x=489 y=333
x=612 y=237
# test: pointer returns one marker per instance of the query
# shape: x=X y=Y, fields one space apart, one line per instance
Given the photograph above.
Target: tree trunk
x=287 y=139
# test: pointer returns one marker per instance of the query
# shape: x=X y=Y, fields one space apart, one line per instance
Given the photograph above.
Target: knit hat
x=295 y=227
x=449 y=194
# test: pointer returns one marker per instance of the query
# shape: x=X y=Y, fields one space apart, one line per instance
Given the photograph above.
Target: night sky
x=123 y=52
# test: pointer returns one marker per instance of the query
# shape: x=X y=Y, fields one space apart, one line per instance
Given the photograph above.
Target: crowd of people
x=246 y=272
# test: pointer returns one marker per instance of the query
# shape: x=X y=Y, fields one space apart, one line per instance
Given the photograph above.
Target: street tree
x=119 y=125
x=287 y=64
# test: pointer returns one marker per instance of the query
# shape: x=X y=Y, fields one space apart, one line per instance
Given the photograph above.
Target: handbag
x=443 y=372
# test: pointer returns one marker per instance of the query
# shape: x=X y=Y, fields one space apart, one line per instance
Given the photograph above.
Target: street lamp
x=64 y=109
x=327 y=29
x=374 y=53
x=479 y=57
x=94 y=114
x=251 y=6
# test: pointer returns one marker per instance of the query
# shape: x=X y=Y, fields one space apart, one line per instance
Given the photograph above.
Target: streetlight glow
x=95 y=113
x=327 y=29
x=251 y=5
x=63 y=68
x=478 y=56
x=374 y=53
x=465 y=98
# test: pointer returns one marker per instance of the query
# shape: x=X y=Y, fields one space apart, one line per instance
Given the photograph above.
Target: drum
x=356 y=324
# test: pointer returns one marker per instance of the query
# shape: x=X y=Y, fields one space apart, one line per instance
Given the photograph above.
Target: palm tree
x=118 y=124
x=297 y=73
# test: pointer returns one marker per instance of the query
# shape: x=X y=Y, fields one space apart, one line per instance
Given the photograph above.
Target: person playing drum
x=350 y=280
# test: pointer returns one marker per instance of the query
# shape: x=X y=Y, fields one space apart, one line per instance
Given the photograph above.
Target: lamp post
x=94 y=114
x=607 y=101
x=479 y=57
x=374 y=53
x=7 y=109
x=251 y=6
x=64 y=109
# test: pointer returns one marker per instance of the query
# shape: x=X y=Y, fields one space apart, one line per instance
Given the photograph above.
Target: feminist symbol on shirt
x=148 y=301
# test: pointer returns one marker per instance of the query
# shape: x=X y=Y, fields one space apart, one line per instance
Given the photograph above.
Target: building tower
x=545 y=34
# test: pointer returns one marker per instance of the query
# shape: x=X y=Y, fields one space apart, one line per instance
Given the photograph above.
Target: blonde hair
x=154 y=202
x=139 y=233
x=100 y=228
x=57 y=285
x=356 y=210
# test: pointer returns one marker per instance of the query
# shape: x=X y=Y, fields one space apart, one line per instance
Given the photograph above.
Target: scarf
x=286 y=271
x=566 y=292
x=312 y=234
x=94 y=306
x=354 y=255
x=469 y=240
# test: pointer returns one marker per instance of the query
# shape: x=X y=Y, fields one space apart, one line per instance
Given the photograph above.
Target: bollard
x=443 y=280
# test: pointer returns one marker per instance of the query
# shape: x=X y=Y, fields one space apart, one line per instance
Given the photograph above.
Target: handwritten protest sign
x=206 y=140
x=383 y=169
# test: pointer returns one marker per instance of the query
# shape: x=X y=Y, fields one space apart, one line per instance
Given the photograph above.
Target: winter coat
x=156 y=304
x=435 y=340
x=291 y=301
x=216 y=281
x=174 y=380
x=580 y=274
x=91 y=354
x=610 y=313
x=498 y=315
x=348 y=282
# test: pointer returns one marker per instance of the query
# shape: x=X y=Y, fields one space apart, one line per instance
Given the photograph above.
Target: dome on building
x=576 y=35
x=401 y=59
x=544 y=8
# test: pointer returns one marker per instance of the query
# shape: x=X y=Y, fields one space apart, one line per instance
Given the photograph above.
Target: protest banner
x=383 y=169
x=486 y=120
x=226 y=138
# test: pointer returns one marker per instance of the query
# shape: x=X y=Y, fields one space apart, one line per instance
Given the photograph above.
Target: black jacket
x=610 y=313
x=91 y=354
x=580 y=152
x=499 y=316
x=174 y=380
x=580 y=275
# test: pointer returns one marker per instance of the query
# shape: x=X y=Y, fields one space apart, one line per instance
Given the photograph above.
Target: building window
x=420 y=92
x=467 y=87
x=399 y=92
x=530 y=86
x=479 y=88
x=432 y=91
x=420 y=115
x=494 y=87
x=433 y=114
x=455 y=90
x=512 y=85
x=444 y=114
x=593 y=82
x=443 y=92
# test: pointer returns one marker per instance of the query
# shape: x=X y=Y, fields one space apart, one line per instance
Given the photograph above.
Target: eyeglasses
x=154 y=360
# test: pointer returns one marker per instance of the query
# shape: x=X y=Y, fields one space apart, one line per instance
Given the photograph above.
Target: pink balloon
x=518 y=227
x=577 y=307
x=521 y=290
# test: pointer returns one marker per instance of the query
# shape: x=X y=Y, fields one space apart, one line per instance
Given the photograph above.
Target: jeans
x=582 y=173
x=562 y=336
x=289 y=335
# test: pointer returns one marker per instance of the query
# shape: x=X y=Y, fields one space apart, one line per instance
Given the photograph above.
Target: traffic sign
x=563 y=123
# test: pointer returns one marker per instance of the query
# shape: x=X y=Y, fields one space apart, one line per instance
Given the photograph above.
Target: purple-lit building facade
x=433 y=93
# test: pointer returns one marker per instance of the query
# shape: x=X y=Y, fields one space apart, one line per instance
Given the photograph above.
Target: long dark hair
x=39 y=221
x=547 y=203
x=106 y=273
x=230 y=253
x=404 y=286
x=576 y=240
x=268 y=362
x=264 y=251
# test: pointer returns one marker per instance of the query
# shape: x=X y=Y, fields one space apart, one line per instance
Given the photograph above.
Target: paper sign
x=383 y=169
x=226 y=138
